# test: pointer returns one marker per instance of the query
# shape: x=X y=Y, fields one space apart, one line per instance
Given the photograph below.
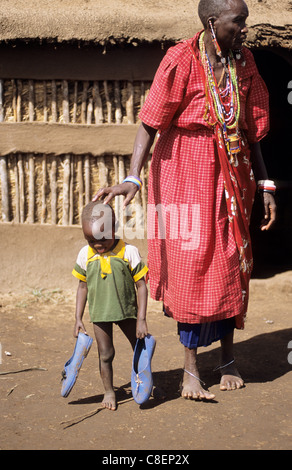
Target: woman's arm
x=142 y=145
x=260 y=172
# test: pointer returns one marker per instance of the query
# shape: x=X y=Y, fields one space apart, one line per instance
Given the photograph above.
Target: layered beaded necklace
x=226 y=101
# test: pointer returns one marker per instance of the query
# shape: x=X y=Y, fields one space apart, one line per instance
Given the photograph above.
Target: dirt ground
x=37 y=316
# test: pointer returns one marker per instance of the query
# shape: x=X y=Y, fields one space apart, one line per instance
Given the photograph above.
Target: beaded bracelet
x=133 y=179
x=267 y=186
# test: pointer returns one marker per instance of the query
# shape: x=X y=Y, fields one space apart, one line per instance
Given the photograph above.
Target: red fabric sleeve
x=168 y=88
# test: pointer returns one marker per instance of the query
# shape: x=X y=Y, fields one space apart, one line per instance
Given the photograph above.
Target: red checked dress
x=195 y=264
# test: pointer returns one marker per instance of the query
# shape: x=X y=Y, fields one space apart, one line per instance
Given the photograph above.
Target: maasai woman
x=210 y=106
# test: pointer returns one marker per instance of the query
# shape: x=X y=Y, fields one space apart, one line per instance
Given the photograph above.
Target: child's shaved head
x=100 y=217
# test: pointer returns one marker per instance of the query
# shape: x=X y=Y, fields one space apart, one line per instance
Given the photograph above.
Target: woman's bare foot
x=192 y=388
x=230 y=378
x=192 y=385
x=109 y=401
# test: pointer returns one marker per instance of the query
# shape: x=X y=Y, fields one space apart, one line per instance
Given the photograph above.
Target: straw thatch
x=114 y=21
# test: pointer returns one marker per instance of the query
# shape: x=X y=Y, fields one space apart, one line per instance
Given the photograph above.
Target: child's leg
x=230 y=378
x=128 y=327
x=104 y=338
x=192 y=387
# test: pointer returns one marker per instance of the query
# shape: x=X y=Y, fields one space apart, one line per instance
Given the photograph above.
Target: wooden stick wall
x=76 y=102
x=50 y=189
x=53 y=189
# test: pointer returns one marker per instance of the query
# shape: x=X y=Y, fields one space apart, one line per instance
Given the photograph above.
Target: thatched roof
x=103 y=21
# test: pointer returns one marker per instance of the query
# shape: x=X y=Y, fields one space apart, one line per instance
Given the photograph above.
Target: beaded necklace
x=226 y=101
x=227 y=112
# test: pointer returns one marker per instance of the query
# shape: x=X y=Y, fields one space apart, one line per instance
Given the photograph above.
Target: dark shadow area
x=273 y=250
x=261 y=359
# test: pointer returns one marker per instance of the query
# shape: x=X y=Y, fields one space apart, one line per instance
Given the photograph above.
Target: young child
x=111 y=276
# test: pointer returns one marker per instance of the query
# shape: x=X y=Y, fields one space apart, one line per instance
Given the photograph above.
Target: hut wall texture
x=53 y=188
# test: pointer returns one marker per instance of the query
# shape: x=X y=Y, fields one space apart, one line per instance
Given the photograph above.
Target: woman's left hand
x=270 y=210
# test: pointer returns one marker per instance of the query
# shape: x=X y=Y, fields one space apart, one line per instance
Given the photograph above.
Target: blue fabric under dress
x=203 y=334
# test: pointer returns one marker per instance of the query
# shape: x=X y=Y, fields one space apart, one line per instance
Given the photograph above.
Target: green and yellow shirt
x=110 y=279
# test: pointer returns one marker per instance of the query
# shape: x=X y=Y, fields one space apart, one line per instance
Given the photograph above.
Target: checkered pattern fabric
x=193 y=258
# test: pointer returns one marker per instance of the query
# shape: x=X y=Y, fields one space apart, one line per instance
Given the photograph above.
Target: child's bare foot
x=192 y=388
x=109 y=400
x=230 y=378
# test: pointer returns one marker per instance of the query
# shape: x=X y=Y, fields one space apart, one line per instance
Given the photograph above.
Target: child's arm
x=142 y=295
x=81 y=298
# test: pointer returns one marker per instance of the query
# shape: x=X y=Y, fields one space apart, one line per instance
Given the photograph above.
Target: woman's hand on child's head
x=141 y=329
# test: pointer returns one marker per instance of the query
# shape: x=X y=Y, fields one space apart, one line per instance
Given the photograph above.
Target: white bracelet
x=266 y=185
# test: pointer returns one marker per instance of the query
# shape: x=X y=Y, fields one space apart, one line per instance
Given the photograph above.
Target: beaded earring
x=216 y=45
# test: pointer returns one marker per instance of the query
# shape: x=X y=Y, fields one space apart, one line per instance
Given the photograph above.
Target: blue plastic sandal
x=73 y=366
x=141 y=377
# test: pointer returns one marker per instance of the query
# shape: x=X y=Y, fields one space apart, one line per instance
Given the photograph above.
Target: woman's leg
x=230 y=377
x=104 y=338
x=192 y=386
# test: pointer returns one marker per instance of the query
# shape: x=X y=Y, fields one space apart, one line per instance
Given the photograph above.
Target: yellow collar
x=105 y=266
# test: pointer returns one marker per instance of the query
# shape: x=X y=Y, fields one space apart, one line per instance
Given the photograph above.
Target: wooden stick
x=66 y=118
x=130 y=103
x=21 y=187
x=11 y=390
x=31 y=100
x=118 y=107
x=75 y=99
x=44 y=188
x=78 y=419
x=108 y=102
x=16 y=180
x=71 y=192
x=18 y=101
x=80 y=186
x=14 y=99
x=54 y=101
x=103 y=172
x=84 y=102
x=22 y=370
x=89 y=111
x=31 y=185
x=142 y=97
x=116 y=170
x=66 y=183
x=87 y=178
x=98 y=113
x=4 y=188
x=53 y=184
